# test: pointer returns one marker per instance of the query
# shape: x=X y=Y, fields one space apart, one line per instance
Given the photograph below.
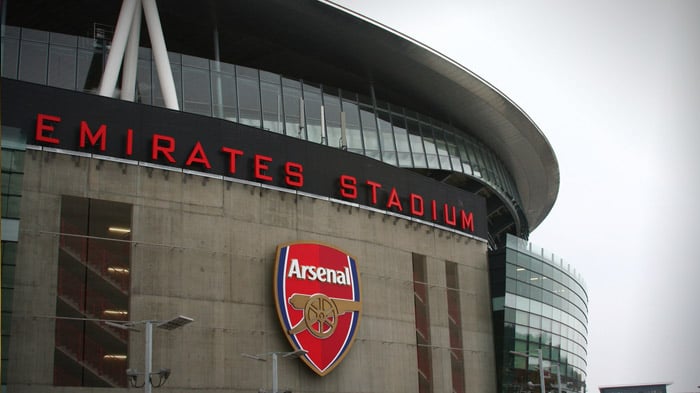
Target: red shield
x=317 y=294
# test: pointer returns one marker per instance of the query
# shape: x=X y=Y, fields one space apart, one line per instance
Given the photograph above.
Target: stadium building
x=269 y=180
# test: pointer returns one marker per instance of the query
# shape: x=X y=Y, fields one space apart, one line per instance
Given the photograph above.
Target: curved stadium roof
x=322 y=41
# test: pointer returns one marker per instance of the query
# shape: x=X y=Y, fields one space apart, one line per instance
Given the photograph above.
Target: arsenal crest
x=317 y=294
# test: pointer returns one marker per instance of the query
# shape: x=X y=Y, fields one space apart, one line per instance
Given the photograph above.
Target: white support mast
x=128 y=28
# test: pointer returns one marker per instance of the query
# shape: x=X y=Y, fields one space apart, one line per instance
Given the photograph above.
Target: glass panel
x=271 y=94
x=353 y=131
x=35 y=35
x=225 y=101
x=33 y=60
x=369 y=132
x=248 y=96
x=291 y=92
x=62 y=67
x=196 y=91
x=10 y=59
x=14 y=184
x=11 y=208
x=416 y=141
x=401 y=137
x=331 y=104
x=442 y=148
x=475 y=166
x=430 y=148
x=386 y=137
x=312 y=111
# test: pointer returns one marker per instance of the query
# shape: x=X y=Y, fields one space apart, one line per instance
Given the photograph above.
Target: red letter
x=374 y=187
x=260 y=167
x=232 y=153
x=450 y=220
x=166 y=150
x=294 y=176
x=41 y=127
x=101 y=134
x=434 y=206
x=467 y=221
x=197 y=155
x=348 y=187
x=129 y=141
x=394 y=200
x=416 y=210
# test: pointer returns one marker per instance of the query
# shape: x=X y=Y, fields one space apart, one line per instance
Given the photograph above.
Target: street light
x=558 y=377
x=163 y=373
x=261 y=357
x=539 y=359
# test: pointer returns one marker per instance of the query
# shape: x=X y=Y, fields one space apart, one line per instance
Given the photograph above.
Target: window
x=248 y=96
x=422 y=315
x=455 y=326
x=312 y=111
x=93 y=283
x=271 y=96
x=196 y=88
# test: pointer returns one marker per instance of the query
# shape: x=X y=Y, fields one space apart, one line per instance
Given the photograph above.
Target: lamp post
x=539 y=360
x=558 y=377
x=261 y=357
x=163 y=373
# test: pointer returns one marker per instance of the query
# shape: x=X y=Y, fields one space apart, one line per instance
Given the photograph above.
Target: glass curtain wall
x=540 y=305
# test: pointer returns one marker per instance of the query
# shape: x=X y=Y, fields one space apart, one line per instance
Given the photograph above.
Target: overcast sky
x=615 y=87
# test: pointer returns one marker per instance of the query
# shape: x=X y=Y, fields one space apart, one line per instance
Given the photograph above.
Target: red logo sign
x=317 y=293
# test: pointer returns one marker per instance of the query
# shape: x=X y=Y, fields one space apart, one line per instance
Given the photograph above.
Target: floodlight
x=254 y=357
x=175 y=323
x=295 y=354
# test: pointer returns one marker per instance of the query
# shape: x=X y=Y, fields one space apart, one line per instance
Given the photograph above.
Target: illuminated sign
x=318 y=300
x=86 y=123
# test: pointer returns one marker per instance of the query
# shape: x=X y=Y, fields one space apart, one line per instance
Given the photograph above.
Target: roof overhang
x=323 y=42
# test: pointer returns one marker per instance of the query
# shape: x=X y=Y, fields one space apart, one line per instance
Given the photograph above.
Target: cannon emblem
x=319 y=302
x=320 y=313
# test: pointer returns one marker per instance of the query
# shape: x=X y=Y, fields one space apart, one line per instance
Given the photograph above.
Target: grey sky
x=615 y=87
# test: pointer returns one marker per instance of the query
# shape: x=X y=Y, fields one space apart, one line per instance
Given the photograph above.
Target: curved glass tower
x=540 y=305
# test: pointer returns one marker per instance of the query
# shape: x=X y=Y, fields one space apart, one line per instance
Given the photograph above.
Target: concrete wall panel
x=206 y=248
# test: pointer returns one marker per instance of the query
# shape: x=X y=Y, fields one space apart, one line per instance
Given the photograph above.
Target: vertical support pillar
x=116 y=52
x=274 y=372
x=219 y=105
x=541 y=364
x=160 y=54
x=302 y=118
x=148 y=357
x=324 y=132
x=131 y=56
x=343 y=135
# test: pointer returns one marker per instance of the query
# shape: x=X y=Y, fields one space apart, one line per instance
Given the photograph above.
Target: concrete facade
x=205 y=248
